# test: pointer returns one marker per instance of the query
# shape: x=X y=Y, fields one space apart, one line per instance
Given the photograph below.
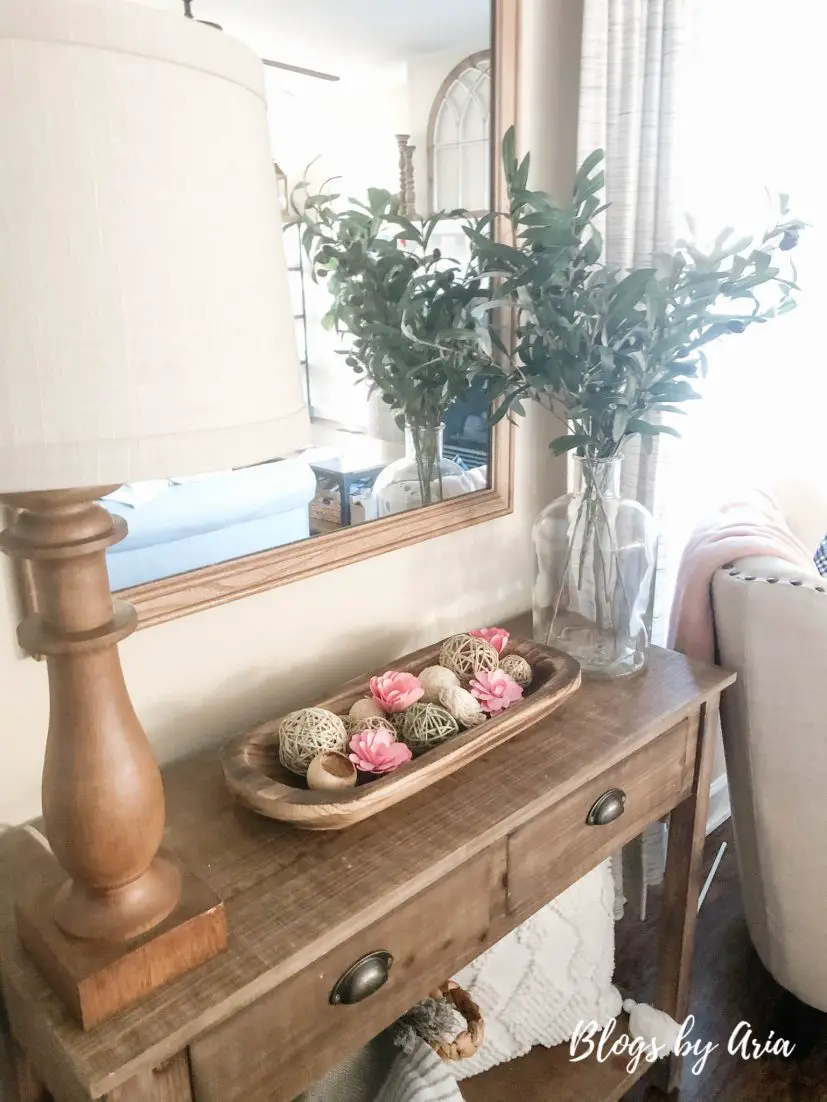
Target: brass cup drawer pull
x=607 y=808
x=362 y=979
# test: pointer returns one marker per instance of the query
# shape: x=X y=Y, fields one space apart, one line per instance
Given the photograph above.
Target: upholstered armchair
x=771 y=627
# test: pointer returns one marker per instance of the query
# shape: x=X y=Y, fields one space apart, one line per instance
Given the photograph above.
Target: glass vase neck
x=427 y=438
x=602 y=475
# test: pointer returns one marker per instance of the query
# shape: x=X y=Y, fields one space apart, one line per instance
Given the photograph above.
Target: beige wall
x=550 y=89
x=198 y=680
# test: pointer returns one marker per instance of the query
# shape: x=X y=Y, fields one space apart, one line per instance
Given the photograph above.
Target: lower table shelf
x=546 y=1073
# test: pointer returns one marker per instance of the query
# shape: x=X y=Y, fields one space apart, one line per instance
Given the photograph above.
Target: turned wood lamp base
x=128 y=919
x=96 y=979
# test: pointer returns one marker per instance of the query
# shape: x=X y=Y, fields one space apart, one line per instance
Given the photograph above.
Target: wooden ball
x=305 y=733
x=466 y=655
x=517 y=667
x=331 y=771
x=434 y=680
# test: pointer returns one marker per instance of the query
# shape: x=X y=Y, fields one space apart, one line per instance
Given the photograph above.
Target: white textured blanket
x=554 y=971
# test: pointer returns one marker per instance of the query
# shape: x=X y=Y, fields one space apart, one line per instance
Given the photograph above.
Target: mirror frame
x=180 y=595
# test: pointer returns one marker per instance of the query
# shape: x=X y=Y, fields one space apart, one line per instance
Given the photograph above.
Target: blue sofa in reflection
x=182 y=524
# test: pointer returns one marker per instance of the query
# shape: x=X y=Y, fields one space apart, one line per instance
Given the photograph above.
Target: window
x=764 y=401
x=459 y=138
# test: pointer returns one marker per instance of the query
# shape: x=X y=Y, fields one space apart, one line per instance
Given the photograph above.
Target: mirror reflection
x=380 y=120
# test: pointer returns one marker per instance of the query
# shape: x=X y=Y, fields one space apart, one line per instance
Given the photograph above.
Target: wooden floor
x=731 y=985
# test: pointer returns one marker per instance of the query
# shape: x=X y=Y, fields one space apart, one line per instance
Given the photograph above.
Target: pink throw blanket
x=742 y=528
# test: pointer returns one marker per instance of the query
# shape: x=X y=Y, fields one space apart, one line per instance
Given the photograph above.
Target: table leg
x=682 y=884
x=345 y=487
x=30 y=1087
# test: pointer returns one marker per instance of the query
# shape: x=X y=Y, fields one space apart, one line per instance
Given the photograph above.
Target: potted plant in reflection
x=614 y=354
x=409 y=316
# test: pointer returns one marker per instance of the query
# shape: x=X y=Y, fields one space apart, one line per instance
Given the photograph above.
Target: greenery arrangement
x=408 y=310
x=611 y=352
x=410 y=313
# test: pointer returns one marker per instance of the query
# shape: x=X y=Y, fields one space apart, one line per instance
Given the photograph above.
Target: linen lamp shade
x=145 y=319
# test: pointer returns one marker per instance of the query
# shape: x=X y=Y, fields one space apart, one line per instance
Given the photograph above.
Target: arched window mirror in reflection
x=459 y=137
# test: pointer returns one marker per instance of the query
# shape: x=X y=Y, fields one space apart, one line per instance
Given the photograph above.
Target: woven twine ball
x=396 y=720
x=305 y=733
x=370 y=723
x=434 y=679
x=517 y=667
x=464 y=707
x=426 y=726
x=365 y=708
x=466 y=655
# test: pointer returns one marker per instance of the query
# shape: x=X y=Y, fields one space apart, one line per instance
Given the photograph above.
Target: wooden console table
x=433 y=882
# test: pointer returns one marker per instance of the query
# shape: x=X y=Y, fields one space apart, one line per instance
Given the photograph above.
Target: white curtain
x=633 y=70
x=629 y=91
x=631 y=86
x=752 y=127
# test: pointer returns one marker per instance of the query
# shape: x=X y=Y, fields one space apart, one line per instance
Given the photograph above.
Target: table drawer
x=288 y=1039
x=559 y=845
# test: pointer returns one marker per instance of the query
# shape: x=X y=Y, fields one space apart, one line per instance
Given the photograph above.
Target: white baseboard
x=719 y=809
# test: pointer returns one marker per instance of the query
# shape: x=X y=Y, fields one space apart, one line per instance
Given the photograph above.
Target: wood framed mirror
x=403 y=97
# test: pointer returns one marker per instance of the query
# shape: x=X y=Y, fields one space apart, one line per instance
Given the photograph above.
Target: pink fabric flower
x=376 y=750
x=394 y=692
x=495 y=691
x=497 y=637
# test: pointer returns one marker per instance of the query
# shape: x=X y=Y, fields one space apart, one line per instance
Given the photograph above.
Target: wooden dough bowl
x=255 y=775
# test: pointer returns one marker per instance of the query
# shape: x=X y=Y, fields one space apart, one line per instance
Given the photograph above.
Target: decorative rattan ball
x=365 y=708
x=396 y=720
x=517 y=667
x=466 y=655
x=305 y=733
x=425 y=726
x=434 y=679
x=370 y=723
x=464 y=707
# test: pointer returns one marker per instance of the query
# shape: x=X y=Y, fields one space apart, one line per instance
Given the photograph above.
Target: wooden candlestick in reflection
x=407 y=189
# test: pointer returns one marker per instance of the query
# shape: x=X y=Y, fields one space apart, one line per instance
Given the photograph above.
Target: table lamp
x=145 y=331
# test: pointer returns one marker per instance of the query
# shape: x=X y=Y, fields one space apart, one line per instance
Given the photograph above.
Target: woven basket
x=467 y=1042
x=326 y=508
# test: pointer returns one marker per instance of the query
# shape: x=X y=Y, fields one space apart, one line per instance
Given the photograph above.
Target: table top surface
x=347 y=466
x=364 y=455
x=292 y=895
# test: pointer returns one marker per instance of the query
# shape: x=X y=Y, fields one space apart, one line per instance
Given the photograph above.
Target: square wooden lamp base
x=96 y=979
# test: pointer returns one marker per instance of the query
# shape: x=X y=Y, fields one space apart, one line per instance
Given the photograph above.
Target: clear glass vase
x=420 y=477
x=596 y=554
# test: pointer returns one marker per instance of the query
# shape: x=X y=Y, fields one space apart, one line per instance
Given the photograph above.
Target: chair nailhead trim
x=798 y=583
